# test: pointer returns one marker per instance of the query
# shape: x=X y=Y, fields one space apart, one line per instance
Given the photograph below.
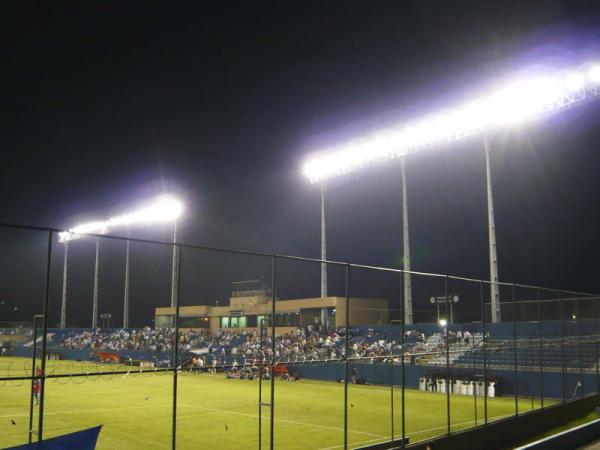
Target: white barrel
x=480 y=388
x=470 y=387
x=491 y=389
x=442 y=386
x=463 y=387
x=455 y=387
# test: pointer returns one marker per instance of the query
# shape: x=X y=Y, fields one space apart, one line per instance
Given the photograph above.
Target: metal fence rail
x=544 y=332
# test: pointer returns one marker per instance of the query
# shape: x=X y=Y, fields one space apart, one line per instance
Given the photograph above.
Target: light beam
x=516 y=102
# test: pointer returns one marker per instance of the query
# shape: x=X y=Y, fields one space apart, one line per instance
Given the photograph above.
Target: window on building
x=236 y=322
x=287 y=320
x=164 y=321
x=194 y=322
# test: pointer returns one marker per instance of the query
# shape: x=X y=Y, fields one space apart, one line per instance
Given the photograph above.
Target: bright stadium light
x=163 y=209
x=594 y=74
x=515 y=102
x=575 y=81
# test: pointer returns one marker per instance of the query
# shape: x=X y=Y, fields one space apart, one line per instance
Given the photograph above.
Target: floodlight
x=443 y=323
x=514 y=102
x=594 y=74
x=163 y=209
x=574 y=81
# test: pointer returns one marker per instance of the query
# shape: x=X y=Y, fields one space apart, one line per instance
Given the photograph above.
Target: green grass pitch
x=216 y=413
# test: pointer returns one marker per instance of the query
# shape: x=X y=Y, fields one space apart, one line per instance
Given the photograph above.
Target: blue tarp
x=80 y=440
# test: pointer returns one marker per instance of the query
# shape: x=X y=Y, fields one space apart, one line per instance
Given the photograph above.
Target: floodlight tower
x=96 y=276
x=408 y=309
x=174 y=267
x=520 y=101
x=126 y=287
x=323 y=244
x=162 y=209
x=493 y=255
x=63 y=303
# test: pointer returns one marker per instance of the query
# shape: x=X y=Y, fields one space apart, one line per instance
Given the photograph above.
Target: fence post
x=260 y=377
x=579 y=354
x=541 y=347
x=562 y=355
x=44 y=339
x=175 y=299
x=33 y=364
x=447 y=358
x=402 y=329
x=484 y=331
x=273 y=311
x=516 y=368
x=391 y=380
x=347 y=354
x=596 y=347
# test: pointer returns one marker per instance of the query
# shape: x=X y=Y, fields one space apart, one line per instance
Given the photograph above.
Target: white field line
x=223 y=411
x=79 y=411
x=255 y=416
x=426 y=430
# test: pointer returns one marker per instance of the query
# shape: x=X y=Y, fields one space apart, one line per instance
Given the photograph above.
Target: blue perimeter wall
x=529 y=382
x=526 y=383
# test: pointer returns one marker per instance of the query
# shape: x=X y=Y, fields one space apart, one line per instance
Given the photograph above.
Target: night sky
x=109 y=103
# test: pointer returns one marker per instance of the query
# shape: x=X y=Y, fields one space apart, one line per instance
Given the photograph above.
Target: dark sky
x=107 y=103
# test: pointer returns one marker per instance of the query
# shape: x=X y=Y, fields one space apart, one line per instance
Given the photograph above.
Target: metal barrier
x=539 y=347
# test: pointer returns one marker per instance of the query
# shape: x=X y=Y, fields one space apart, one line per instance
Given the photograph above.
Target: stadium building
x=250 y=304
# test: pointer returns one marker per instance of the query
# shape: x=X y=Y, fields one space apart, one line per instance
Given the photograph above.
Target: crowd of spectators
x=311 y=343
x=146 y=339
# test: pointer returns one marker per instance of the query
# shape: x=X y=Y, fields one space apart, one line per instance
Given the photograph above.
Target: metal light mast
x=63 y=303
x=164 y=208
x=494 y=287
x=518 y=100
x=323 y=244
x=408 y=310
x=174 y=267
x=126 y=288
x=96 y=273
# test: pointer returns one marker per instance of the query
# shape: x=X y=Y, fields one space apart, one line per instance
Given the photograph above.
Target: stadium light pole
x=518 y=101
x=493 y=255
x=126 y=286
x=174 y=266
x=96 y=278
x=323 y=244
x=63 y=303
x=408 y=309
x=162 y=209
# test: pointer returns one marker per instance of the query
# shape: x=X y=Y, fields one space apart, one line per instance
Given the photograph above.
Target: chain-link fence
x=180 y=346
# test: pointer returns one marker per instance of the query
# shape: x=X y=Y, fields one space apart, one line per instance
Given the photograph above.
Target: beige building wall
x=363 y=311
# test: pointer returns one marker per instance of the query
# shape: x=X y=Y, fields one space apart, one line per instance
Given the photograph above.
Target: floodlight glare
x=574 y=81
x=516 y=102
x=163 y=209
x=443 y=322
x=594 y=74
